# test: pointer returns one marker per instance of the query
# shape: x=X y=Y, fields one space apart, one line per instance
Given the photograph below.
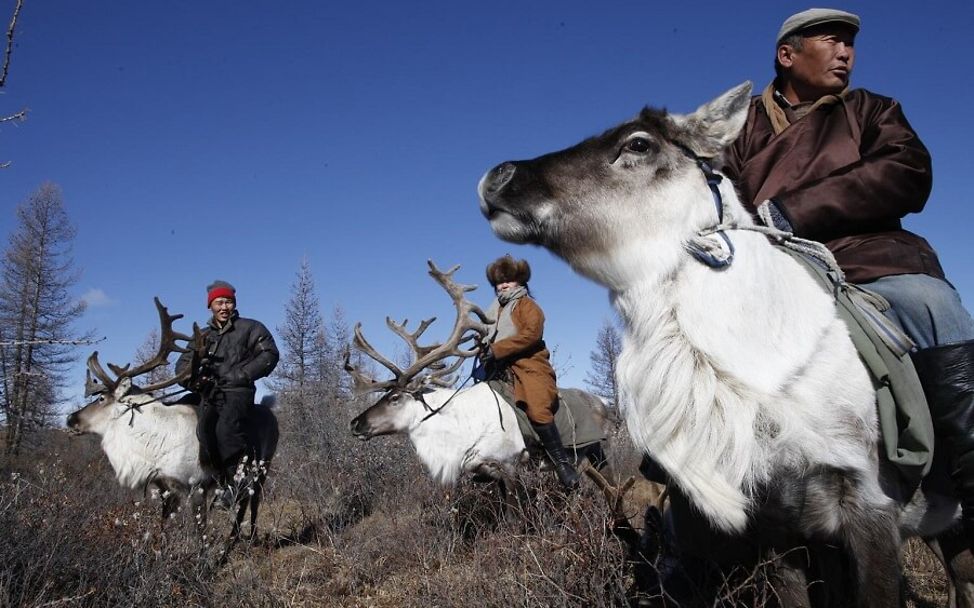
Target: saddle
x=906 y=428
x=574 y=418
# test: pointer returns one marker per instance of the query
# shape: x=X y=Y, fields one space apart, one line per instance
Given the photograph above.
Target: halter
x=434 y=411
x=713 y=181
x=816 y=252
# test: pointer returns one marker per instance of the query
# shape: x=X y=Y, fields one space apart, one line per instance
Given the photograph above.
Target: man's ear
x=786 y=55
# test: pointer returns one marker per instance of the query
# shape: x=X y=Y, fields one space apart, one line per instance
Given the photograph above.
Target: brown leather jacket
x=528 y=358
x=844 y=174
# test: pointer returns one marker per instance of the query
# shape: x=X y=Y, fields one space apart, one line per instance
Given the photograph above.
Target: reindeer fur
x=144 y=439
x=149 y=442
x=471 y=434
x=742 y=382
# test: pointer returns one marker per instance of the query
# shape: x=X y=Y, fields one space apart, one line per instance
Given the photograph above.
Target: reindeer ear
x=123 y=388
x=716 y=124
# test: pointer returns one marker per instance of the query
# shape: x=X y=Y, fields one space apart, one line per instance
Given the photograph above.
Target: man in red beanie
x=238 y=352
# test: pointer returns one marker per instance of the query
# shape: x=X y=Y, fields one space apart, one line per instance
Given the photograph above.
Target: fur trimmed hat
x=506 y=269
x=220 y=289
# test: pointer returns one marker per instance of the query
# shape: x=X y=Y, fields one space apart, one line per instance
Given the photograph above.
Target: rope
x=812 y=249
x=435 y=411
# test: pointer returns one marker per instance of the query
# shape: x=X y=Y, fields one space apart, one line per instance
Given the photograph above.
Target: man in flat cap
x=238 y=351
x=843 y=166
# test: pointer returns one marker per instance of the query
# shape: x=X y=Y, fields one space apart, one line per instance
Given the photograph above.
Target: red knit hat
x=219 y=289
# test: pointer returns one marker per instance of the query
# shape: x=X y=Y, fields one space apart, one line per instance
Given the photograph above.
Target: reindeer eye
x=640 y=145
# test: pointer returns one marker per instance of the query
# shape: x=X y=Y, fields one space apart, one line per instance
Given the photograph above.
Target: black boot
x=947 y=376
x=551 y=441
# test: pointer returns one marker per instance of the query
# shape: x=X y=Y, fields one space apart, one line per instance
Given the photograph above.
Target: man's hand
x=486 y=355
x=201 y=384
x=236 y=377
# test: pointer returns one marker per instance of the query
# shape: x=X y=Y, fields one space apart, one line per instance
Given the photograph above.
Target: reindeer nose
x=73 y=420
x=497 y=178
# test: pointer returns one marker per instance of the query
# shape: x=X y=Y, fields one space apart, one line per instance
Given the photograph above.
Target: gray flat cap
x=815 y=16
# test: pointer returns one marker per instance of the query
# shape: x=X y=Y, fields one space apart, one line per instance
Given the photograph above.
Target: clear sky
x=209 y=139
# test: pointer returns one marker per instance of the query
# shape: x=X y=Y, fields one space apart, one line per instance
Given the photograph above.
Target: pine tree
x=37 y=313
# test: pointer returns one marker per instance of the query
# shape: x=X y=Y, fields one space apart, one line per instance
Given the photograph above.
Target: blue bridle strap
x=713 y=182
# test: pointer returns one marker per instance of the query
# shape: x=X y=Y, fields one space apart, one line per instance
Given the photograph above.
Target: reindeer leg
x=169 y=498
x=953 y=552
x=255 y=507
x=791 y=578
x=851 y=505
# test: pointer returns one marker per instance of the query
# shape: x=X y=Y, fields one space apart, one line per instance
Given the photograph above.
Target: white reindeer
x=149 y=442
x=742 y=382
x=455 y=432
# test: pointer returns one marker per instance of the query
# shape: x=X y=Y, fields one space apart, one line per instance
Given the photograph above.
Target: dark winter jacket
x=239 y=353
x=844 y=174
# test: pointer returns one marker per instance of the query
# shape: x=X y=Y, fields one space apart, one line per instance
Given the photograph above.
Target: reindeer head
x=590 y=201
x=115 y=396
x=393 y=413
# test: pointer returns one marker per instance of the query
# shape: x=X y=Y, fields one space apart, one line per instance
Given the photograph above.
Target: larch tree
x=37 y=315
x=304 y=345
x=301 y=334
x=601 y=378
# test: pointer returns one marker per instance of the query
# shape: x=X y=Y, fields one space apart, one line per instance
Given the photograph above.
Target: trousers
x=928 y=309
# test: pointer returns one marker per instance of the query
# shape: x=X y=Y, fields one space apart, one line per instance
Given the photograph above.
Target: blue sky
x=218 y=139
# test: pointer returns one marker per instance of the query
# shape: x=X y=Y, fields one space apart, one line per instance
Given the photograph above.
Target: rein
x=434 y=411
x=131 y=408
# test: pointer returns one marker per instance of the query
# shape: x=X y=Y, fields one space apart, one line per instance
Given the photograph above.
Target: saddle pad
x=575 y=420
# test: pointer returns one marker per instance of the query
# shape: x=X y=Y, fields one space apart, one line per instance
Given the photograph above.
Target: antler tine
x=197 y=345
x=427 y=356
x=444 y=377
x=412 y=339
x=363 y=345
x=102 y=382
x=456 y=291
x=167 y=345
x=460 y=334
x=363 y=382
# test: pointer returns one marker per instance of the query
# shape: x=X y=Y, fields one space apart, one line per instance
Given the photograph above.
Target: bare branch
x=21 y=116
x=86 y=342
x=10 y=43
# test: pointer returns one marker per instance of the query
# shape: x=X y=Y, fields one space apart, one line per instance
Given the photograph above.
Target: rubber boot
x=551 y=441
x=947 y=376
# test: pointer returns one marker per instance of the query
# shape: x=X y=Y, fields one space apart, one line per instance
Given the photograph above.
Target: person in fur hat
x=515 y=344
x=238 y=352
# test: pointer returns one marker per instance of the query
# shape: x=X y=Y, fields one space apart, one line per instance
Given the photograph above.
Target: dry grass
x=357 y=525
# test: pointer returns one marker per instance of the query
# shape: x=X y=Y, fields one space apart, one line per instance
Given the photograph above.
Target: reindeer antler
x=167 y=345
x=466 y=328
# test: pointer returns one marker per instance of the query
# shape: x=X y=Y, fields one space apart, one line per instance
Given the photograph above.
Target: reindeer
x=150 y=442
x=740 y=379
x=455 y=432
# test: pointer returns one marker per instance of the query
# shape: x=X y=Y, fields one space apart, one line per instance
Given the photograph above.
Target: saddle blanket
x=575 y=418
